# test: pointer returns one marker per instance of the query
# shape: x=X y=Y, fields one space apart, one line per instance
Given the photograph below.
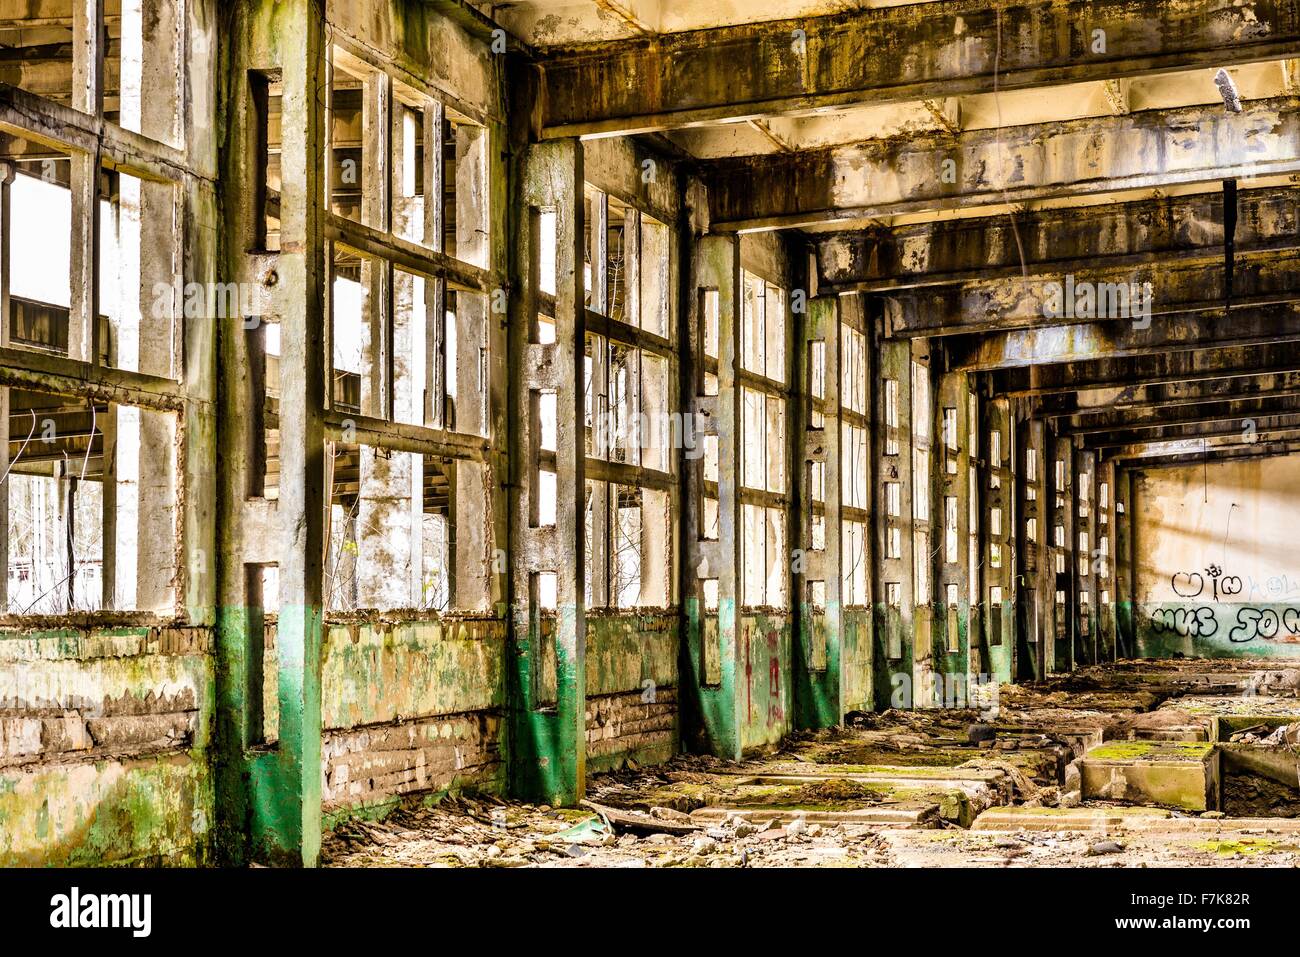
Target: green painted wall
x=856 y=648
x=634 y=656
x=624 y=650
x=376 y=672
x=764 y=686
x=104 y=746
x=1218 y=629
x=150 y=811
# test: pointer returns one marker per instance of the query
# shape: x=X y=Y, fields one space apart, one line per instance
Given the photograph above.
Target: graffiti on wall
x=1243 y=622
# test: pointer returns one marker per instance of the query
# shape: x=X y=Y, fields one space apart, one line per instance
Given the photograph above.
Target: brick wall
x=410 y=705
x=634 y=724
x=371 y=765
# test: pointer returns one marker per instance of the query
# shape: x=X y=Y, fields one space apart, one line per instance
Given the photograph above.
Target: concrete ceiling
x=840 y=140
x=544 y=23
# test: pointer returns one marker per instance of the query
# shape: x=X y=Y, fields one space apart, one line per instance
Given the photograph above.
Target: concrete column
x=548 y=711
x=1125 y=624
x=951 y=523
x=1064 y=510
x=1084 y=571
x=4 y=488
x=1106 y=541
x=893 y=580
x=817 y=658
x=927 y=523
x=712 y=566
x=997 y=523
x=1035 y=593
x=269 y=799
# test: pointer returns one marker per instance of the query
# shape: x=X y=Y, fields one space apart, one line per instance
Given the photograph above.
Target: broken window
x=853 y=464
x=950 y=529
x=950 y=440
x=854 y=548
x=89 y=514
x=763 y=447
x=891 y=416
x=408 y=350
x=629 y=410
x=921 y=566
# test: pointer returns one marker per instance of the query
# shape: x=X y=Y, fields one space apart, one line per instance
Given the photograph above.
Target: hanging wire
x=14 y=460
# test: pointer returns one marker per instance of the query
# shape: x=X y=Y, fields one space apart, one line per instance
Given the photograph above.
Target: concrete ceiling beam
x=896 y=54
x=1096 y=292
x=982 y=169
x=1216 y=429
x=1212 y=363
x=1246 y=408
x=1045 y=344
x=1138 y=233
x=1086 y=403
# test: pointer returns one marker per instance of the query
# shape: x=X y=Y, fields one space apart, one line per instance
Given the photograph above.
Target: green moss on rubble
x=1246 y=846
x=1150 y=751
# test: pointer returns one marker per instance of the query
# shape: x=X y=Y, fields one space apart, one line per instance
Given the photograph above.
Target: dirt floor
x=1116 y=766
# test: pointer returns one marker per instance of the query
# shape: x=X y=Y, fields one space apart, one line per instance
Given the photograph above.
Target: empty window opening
x=405 y=531
x=854 y=548
x=853 y=466
x=90 y=506
x=762 y=550
x=762 y=327
x=853 y=365
x=950 y=529
x=893 y=542
x=921 y=558
x=139 y=290
x=950 y=440
x=891 y=416
x=952 y=631
x=920 y=401
x=920 y=485
x=37 y=218
x=817 y=381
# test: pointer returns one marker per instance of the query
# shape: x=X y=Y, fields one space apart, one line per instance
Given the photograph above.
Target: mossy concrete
x=1183 y=774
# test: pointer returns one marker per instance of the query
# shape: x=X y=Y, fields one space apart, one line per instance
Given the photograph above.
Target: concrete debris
x=904 y=789
x=1105 y=847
